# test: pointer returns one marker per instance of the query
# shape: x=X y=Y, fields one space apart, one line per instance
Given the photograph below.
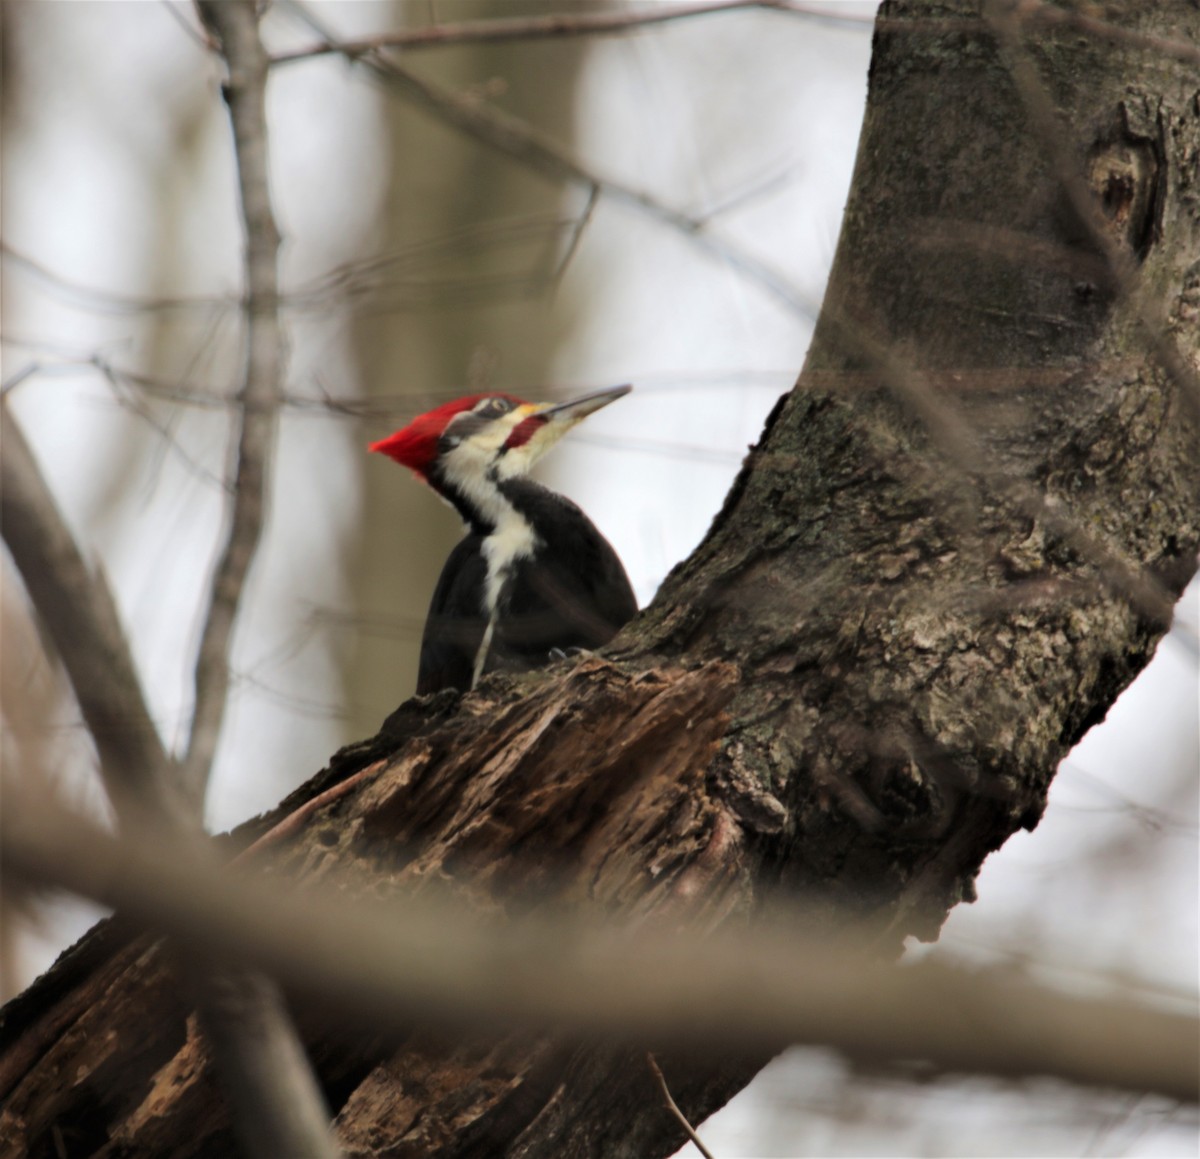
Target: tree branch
x=673 y=1106
x=80 y=615
x=234 y=26
x=555 y=26
x=274 y=1100
x=437 y=961
x=516 y=139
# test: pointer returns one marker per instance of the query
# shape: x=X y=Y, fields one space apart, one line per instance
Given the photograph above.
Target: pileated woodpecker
x=533 y=574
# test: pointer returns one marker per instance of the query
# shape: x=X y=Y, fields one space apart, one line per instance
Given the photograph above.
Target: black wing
x=455 y=626
x=572 y=593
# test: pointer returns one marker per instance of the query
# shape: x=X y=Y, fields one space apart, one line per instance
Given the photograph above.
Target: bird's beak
x=537 y=426
x=570 y=412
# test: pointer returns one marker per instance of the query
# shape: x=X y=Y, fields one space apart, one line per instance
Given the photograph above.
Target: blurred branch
x=439 y=963
x=107 y=301
x=274 y=1098
x=80 y=615
x=407 y=272
x=275 y=1103
x=1036 y=12
x=520 y=141
x=235 y=27
x=558 y=25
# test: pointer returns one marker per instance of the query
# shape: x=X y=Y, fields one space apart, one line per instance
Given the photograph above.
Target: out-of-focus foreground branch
x=80 y=616
x=242 y=1012
x=439 y=963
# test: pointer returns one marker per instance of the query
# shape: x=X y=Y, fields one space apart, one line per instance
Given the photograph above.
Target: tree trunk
x=954 y=545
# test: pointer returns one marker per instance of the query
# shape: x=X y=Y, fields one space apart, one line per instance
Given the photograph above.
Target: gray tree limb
x=81 y=618
x=260 y=395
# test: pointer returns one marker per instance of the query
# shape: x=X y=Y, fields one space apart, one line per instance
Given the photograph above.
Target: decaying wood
x=519 y=799
x=948 y=554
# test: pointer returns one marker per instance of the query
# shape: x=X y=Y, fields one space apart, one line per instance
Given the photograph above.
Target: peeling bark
x=948 y=554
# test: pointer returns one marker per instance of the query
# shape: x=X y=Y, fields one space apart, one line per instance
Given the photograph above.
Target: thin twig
x=517 y=139
x=673 y=1107
x=19 y=376
x=556 y=25
x=347 y=280
x=294 y=822
x=581 y=224
x=234 y=25
x=561 y=25
x=500 y=31
x=80 y=615
x=106 y=301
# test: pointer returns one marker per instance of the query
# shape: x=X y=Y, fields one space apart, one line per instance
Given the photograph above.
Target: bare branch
x=556 y=26
x=560 y=25
x=275 y=1102
x=105 y=301
x=234 y=25
x=80 y=615
x=673 y=1106
x=437 y=962
x=516 y=139
x=263 y=1064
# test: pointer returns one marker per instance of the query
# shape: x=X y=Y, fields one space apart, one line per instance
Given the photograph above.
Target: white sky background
x=758 y=109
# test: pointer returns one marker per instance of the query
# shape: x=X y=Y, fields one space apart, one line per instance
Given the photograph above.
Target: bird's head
x=486 y=435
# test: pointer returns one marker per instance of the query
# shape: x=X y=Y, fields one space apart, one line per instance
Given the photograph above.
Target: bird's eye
x=493 y=407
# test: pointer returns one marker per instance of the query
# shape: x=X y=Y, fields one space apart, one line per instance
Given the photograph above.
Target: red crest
x=416 y=445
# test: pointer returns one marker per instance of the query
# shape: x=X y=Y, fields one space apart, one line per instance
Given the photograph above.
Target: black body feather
x=571 y=592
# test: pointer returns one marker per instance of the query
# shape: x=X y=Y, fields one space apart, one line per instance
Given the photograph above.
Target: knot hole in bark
x=1124 y=171
x=905 y=788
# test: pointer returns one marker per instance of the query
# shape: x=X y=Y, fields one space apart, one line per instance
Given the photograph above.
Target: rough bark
x=945 y=558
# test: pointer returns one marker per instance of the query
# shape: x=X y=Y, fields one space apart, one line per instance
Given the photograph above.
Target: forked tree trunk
x=945 y=558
